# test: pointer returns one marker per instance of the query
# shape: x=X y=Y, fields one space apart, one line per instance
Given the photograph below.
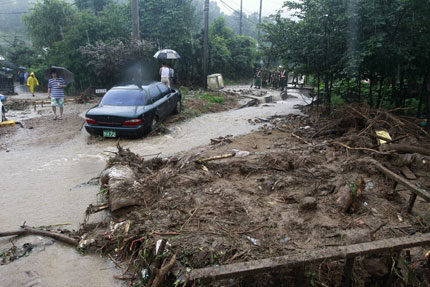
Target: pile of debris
x=300 y=183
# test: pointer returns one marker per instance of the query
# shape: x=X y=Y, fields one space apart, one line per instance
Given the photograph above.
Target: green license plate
x=109 y=133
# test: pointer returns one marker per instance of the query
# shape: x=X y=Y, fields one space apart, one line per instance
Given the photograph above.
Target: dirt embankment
x=298 y=183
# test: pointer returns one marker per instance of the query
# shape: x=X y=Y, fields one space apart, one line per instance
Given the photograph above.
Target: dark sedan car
x=132 y=110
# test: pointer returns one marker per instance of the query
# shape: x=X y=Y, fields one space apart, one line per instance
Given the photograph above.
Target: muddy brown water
x=47 y=184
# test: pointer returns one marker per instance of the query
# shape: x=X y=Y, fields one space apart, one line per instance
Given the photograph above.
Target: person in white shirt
x=165 y=75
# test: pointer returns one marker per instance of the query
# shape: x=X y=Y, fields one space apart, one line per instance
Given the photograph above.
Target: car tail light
x=133 y=122
x=91 y=121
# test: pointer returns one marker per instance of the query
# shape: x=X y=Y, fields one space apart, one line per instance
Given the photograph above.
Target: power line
x=228 y=6
x=246 y=10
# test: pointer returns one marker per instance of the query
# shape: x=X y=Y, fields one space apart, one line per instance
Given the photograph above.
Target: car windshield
x=124 y=98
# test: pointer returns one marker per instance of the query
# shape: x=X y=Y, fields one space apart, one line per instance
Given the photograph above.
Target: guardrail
x=299 y=258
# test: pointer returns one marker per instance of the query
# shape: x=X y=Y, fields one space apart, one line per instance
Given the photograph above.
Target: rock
x=308 y=203
x=344 y=199
x=355 y=236
x=242 y=153
x=375 y=266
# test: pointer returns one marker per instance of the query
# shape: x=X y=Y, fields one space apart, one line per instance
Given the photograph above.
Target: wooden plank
x=409 y=185
x=298 y=258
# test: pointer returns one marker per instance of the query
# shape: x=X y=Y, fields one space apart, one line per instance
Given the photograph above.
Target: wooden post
x=347 y=274
x=259 y=23
x=135 y=19
x=392 y=275
x=299 y=279
x=411 y=201
x=206 y=45
x=240 y=23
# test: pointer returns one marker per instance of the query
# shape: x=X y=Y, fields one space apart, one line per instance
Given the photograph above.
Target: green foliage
x=213 y=98
x=47 y=21
x=336 y=100
x=339 y=41
x=59 y=37
x=229 y=54
x=92 y=39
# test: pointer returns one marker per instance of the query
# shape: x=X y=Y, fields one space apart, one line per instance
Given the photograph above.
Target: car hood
x=117 y=111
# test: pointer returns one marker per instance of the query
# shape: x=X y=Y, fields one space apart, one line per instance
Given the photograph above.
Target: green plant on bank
x=212 y=97
x=353 y=189
x=184 y=91
x=103 y=191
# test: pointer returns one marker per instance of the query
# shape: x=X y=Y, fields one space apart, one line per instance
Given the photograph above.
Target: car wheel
x=178 y=107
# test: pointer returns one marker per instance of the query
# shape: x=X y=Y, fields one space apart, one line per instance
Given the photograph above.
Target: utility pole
x=205 y=45
x=240 y=24
x=259 y=22
x=135 y=19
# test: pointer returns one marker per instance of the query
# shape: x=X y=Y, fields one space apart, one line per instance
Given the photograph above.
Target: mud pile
x=298 y=183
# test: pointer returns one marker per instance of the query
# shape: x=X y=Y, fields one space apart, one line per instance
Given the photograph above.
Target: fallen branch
x=359 y=113
x=387 y=141
x=188 y=220
x=165 y=233
x=406 y=183
x=218 y=157
x=96 y=208
x=378 y=228
x=27 y=230
x=300 y=138
x=161 y=273
x=361 y=148
x=403 y=148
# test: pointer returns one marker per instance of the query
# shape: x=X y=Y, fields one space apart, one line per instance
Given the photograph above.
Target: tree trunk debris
x=27 y=230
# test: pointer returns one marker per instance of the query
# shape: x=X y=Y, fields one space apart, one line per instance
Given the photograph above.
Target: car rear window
x=124 y=98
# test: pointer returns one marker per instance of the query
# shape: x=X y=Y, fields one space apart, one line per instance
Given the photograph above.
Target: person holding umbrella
x=165 y=72
x=56 y=87
x=32 y=82
x=165 y=75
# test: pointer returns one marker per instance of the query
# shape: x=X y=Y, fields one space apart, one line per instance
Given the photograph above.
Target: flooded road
x=44 y=181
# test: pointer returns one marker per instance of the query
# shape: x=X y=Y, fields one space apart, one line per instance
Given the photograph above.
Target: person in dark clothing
x=21 y=77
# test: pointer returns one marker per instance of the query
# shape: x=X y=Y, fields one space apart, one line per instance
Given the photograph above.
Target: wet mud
x=46 y=167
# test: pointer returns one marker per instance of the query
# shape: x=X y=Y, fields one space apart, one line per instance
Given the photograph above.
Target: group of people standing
x=278 y=78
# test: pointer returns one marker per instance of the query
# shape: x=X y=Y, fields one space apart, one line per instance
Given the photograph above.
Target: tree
x=348 y=41
x=46 y=23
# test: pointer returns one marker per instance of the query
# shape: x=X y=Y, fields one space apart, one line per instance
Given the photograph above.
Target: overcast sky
x=250 y=6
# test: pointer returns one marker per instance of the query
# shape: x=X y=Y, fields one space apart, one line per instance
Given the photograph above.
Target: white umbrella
x=167 y=54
